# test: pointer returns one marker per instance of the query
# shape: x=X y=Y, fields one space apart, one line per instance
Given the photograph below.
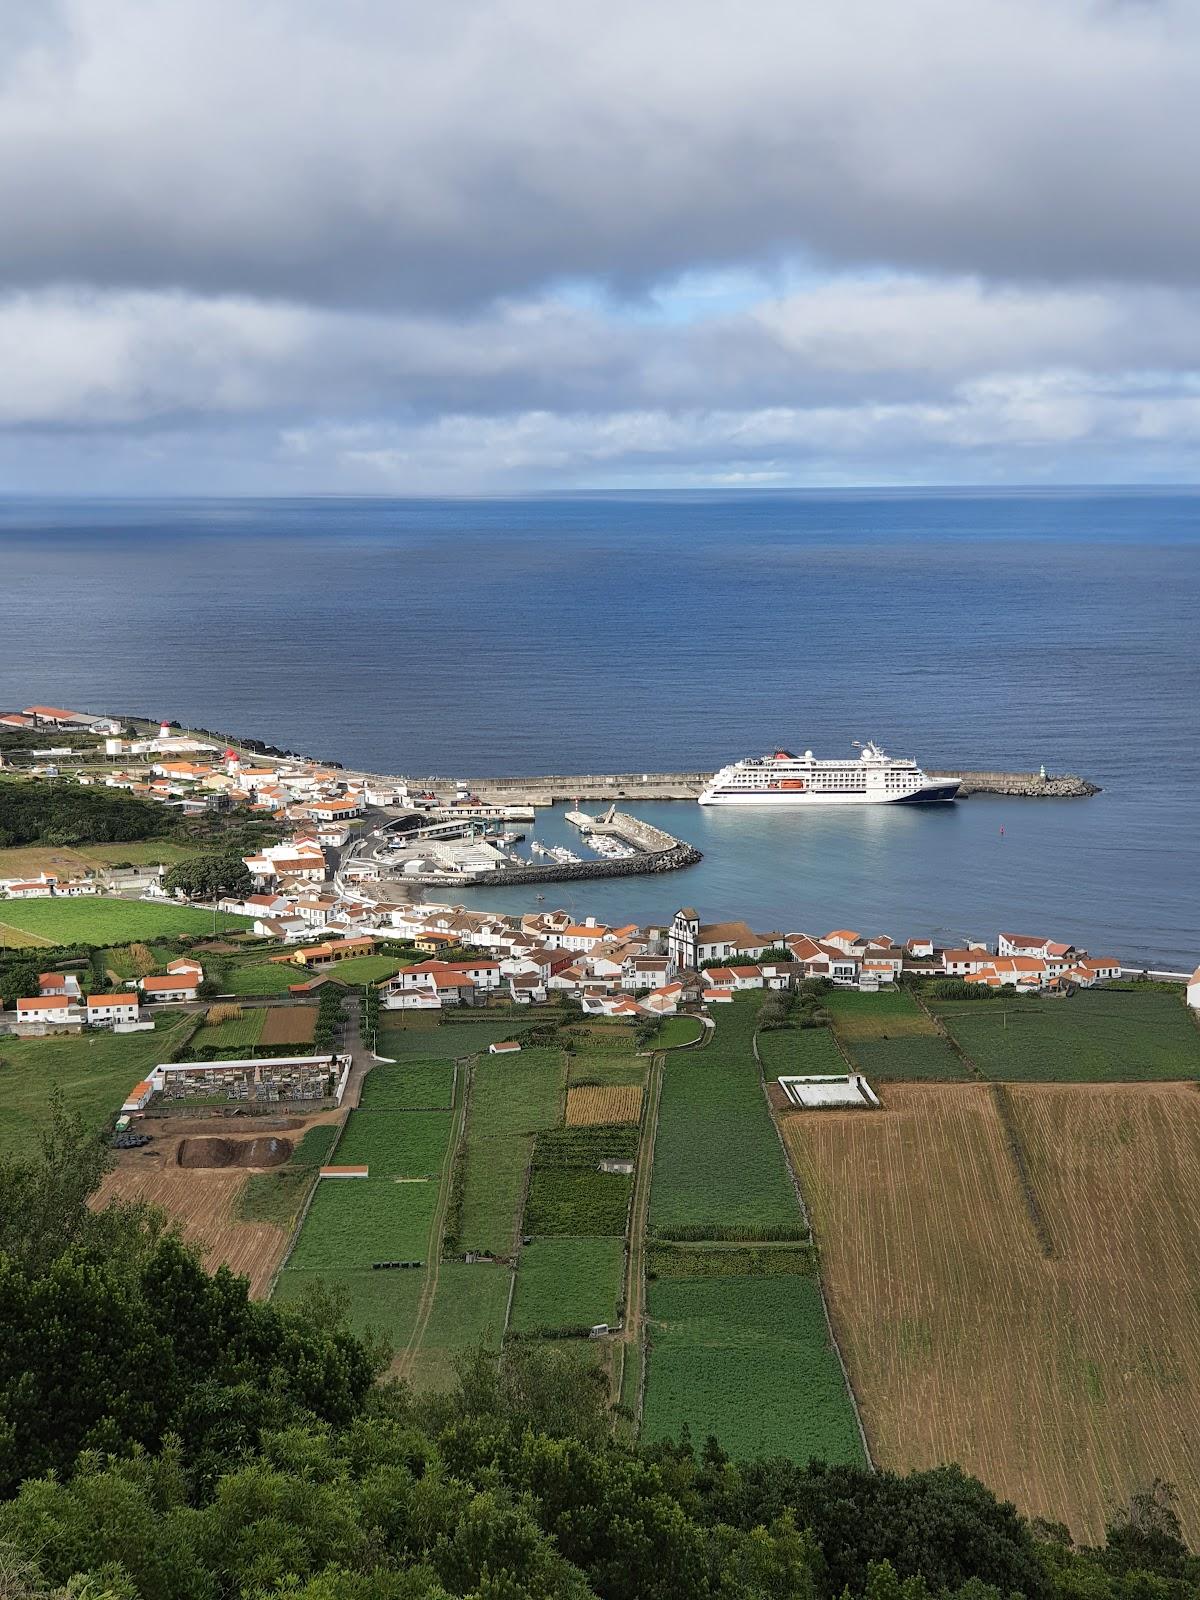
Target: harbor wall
x=549 y=790
x=657 y=851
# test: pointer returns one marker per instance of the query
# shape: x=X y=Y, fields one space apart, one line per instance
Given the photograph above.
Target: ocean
x=644 y=632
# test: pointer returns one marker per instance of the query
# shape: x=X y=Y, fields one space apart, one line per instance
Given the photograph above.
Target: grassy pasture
x=380 y=1302
x=493 y=1179
x=259 y=977
x=448 y=1041
x=27 y=860
x=364 y=969
x=468 y=1310
x=104 y=920
x=412 y=1086
x=748 y=1359
x=517 y=1094
x=795 y=1052
x=1133 y=1036
x=606 y=1069
x=355 y=1221
x=718 y=1165
x=408 y=1144
x=888 y=1036
x=568 y=1283
x=95 y=1072
x=1066 y=1381
x=677 y=1031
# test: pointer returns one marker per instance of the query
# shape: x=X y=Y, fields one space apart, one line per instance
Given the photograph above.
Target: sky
x=498 y=246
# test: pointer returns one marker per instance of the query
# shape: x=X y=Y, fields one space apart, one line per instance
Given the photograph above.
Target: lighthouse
x=164 y=730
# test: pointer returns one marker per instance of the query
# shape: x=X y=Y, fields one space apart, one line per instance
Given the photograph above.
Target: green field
x=493 y=1178
x=568 y=1283
x=597 y=1037
x=747 y=1359
x=364 y=969
x=1122 y=1036
x=414 y=1086
x=677 y=1031
x=517 y=1094
x=450 y=1040
x=101 y=920
x=468 y=1310
x=888 y=1036
x=381 y=1302
x=259 y=977
x=798 y=1051
x=355 y=1221
x=576 y=1200
x=95 y=1072
x=122 y=961
x=606 y=1069
x=241 y=1032
x=408 y=1144
x=719 y=1169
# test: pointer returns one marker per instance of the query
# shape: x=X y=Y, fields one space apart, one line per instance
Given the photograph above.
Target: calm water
x=614 y=633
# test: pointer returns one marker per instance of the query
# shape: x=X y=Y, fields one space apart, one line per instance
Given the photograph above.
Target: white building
x=1193 y=990
x=105 y=1010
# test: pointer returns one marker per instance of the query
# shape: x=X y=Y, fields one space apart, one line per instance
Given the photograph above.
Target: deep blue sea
x=617 y=632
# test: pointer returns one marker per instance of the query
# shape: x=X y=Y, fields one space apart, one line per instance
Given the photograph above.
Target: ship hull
x=930 y=794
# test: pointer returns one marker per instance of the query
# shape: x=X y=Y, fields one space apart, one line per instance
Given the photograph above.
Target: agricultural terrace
x=511 y=1099
x=396 y=1144
x=590 y=1104
x=719 y=1169
x=888 y=1036
x=1047 y=1337
x=230 y=1027
x=675 y=1032
x=748 y=1359
x=1116 y=1035
x=568 y=1284
x=569 y=1193
x=798 y=1051
x=94 y=1070
x=606 y=1068
x=409 y=1086
x=354 y=1222
x=102 y=920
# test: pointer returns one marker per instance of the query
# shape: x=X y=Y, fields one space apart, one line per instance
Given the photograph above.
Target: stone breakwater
x=546 y=791
x=657 y=851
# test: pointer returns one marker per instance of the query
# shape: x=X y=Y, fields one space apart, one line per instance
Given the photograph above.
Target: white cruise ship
x=782 y=779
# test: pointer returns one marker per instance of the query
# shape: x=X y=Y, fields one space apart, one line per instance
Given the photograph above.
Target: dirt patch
x=268 y=1151
x=289 y=1025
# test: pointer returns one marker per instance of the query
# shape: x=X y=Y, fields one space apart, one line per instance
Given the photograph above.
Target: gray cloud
x=403 y=155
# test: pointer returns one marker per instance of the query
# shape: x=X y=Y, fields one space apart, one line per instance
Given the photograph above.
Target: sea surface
x=607 y=633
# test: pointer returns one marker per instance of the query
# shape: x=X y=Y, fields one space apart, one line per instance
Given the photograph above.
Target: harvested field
x=268 y=1151
x=289 y=1025
x=203 y=1202
x=1037 y=1319
x=592 y=1104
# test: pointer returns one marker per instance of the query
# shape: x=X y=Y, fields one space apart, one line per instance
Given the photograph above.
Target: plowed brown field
x=594 y=1104
x=202 y=1199
x=1065 y=1380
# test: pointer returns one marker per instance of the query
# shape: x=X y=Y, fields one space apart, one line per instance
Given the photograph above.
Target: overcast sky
x=496 y=244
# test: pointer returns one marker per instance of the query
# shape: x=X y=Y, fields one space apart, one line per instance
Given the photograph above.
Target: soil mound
x=262 y=1152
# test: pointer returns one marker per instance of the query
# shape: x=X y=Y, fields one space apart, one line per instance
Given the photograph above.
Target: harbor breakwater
x=656 y=851
x=550 y=790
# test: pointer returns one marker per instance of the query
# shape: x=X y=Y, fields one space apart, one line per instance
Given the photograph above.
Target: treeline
x=59 y=812
x=164 y=1438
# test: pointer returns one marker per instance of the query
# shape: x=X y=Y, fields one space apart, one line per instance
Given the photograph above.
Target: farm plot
x=376 y=1302
x=493 y=1180
x=353 y=1222
x=260 y=977
x=365 y=969
x=468 y=1310
x=568 y=1283
x=602 y=1038
x=676 y=1032
x=719 y=1171
x=591 y=1104
x=517 y=1094
x=1066 y=1381
x=610 y=1068
x=888 y=1036
x=449 y=1041
x=288 y=1025
x=576 y=1200
x=278 y=1196
x=412 y=1086
x=104 y=920
x=230 y=1027
x=747 y=1359
x=1097 y=1035
x=407 y=1144
x=204 y=1203
x=799 y=1051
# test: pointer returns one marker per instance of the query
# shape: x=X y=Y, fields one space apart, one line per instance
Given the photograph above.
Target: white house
x=663 y=1002
x=1193 y=990
x=1021 y=944
x=63 y=984
x=53 y=1010
x=103 y=1010
x=173 y=987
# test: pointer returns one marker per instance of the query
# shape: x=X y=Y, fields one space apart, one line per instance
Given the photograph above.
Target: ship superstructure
x=783 y=779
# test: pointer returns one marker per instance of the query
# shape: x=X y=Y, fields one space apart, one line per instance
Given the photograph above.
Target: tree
x=207 y=876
